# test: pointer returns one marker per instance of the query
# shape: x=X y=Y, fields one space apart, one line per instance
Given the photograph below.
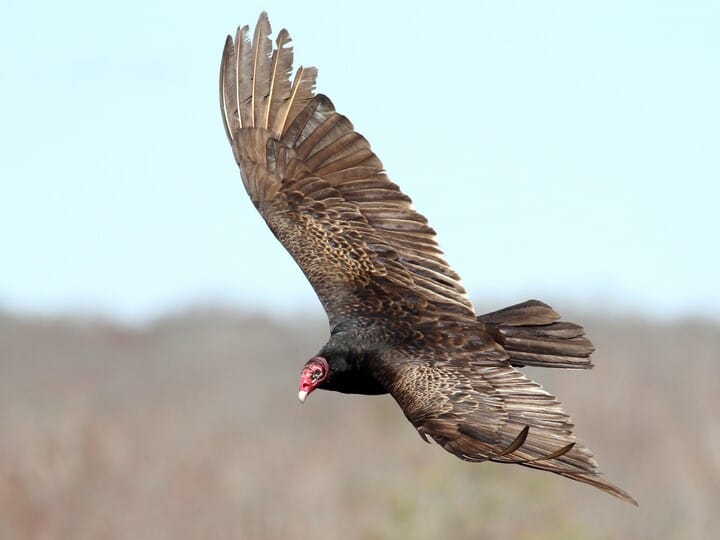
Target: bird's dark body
x=354 y=368
x=400 y=320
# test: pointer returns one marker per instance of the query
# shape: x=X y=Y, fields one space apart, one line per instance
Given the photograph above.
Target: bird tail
x=532 y=335
x=255 y=87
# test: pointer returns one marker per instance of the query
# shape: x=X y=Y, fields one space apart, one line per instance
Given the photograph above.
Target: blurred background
x=152 y=329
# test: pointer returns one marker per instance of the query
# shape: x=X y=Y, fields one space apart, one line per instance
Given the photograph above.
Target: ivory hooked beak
x=302 y=394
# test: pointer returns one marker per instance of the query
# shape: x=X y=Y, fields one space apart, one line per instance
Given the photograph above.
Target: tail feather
x=532 y=336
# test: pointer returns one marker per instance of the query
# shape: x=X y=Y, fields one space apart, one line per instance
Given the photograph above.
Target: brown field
x=190 y=428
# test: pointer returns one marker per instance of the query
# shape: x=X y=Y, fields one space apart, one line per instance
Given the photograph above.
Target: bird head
x=315 y=371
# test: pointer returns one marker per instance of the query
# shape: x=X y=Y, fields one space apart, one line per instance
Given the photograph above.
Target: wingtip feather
x=261 y=53
x=255 y=80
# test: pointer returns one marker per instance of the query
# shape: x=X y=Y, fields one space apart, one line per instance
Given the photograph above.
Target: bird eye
x=316 y=375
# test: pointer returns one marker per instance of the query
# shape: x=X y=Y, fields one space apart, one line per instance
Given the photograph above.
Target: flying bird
x=400 y=321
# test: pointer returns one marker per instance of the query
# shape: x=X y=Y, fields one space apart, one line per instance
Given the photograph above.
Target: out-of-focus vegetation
x=190 y=428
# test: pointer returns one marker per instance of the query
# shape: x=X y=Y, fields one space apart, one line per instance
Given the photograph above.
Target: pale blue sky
x=568 y=151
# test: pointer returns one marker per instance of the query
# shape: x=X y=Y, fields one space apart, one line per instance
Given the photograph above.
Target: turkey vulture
x=400 y=321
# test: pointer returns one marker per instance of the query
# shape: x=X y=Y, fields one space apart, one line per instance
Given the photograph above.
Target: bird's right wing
x=324 y=194
x=478 y=407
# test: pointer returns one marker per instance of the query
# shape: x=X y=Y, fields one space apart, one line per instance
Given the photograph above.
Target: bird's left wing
x=323 y=191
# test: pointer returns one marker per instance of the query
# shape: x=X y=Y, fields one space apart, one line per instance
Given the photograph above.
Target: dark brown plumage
x=400 y=320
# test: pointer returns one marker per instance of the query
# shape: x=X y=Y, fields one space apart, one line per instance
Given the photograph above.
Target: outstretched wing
x=323 y=192
x=478 y=407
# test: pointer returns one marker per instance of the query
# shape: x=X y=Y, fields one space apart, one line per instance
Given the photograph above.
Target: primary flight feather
x=400 y=321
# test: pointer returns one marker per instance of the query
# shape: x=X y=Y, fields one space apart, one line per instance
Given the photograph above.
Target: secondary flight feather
x=400 y=321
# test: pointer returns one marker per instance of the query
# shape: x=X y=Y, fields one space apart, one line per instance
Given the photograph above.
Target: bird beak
x=302 y=394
